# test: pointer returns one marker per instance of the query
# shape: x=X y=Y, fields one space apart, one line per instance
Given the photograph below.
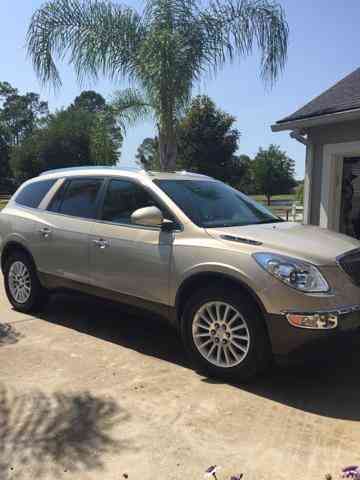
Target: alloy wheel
x=221 y=334
x=19 y=282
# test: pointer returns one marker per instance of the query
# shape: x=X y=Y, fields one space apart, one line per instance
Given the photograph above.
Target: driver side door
x=133 y=260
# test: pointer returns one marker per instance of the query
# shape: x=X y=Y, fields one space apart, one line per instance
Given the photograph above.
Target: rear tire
x=22 y=286
x=225 y=335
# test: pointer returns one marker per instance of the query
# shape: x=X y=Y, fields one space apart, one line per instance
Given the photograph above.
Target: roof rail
x=178 y=172
x=185 y=172
x=92 y=167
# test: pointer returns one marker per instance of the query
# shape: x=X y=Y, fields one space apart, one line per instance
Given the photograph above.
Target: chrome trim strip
x=234 y=238
x=341 y=310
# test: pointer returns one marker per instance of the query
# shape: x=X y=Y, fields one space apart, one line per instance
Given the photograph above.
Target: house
x=329 y=126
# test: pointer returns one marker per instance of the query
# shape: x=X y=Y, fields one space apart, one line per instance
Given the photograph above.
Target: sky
x=323 y=48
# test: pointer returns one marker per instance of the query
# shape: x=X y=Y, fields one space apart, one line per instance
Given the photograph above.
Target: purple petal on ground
x=348 y=469
x=211 y=469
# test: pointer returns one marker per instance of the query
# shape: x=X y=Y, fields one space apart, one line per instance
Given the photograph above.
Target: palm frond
x=130 y=106
x=171 y=55
x=96 y=36
x=233 y=27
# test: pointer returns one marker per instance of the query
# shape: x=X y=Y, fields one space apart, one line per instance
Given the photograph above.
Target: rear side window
x=80 y=197
x=32 y=194
x=57 y=198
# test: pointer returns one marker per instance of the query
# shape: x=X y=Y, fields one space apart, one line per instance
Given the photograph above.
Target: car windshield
x=211 y=204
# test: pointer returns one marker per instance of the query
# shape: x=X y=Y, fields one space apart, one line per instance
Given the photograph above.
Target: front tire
x=22 y=286
x=224 y=334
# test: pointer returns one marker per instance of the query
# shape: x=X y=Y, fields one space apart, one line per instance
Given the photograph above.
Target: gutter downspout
x=308 y=173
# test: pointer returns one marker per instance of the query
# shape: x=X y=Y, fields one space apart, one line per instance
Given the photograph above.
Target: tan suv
x=239 y=283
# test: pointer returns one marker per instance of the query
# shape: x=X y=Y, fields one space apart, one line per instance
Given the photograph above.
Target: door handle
x=45 y=232
x=100 y=243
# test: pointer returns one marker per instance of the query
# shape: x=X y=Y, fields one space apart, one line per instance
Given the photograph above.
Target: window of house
x=350 y=204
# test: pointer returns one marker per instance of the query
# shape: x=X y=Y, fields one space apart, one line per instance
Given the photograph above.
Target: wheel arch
x=201 y=279
x=12 y=246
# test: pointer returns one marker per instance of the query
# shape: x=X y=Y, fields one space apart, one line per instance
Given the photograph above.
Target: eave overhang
x=317 y=121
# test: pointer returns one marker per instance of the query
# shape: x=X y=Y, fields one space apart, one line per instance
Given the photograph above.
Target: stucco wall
x=319 y=136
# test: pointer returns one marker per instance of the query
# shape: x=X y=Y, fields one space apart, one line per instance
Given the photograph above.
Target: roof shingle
x=343 y=96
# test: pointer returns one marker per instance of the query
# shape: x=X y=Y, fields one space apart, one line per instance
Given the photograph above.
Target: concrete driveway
x=88 y=391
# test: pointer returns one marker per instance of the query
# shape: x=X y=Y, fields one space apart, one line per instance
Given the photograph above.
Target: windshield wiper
x=237 y=224
x=270 y=220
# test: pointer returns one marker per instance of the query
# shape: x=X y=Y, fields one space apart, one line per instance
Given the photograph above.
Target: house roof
x=342 y=97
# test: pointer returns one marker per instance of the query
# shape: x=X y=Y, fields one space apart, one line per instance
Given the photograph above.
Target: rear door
x=62 y=247
x=130 y=259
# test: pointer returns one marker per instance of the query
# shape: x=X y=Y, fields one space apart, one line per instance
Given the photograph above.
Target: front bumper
x=298 y=343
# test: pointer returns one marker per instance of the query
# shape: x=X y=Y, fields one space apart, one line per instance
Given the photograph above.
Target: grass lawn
x=291 y=197
x=284 y=211
x=2 y=204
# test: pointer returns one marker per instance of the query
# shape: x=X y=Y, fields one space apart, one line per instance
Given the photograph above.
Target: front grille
x=350 y=263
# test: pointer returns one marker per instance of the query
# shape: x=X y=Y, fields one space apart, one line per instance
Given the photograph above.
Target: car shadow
x=116 y=323
x=42 y=434
x=329 y=386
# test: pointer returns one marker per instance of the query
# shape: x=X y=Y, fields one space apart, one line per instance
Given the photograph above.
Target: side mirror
x=168 y=225
x=148 y=216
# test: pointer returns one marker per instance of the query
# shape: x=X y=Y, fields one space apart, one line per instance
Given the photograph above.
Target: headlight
x=293 y=272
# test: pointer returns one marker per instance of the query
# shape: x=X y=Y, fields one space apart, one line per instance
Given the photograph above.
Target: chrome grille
x=350 y=263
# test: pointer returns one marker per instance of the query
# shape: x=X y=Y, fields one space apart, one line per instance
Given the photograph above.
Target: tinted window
x=32 y=194
x=57 y=199
x=215 y=204
x=80 y=197
x=122 y=199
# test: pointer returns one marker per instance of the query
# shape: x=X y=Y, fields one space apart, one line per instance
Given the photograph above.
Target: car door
x=62 y=249
x=130 y=259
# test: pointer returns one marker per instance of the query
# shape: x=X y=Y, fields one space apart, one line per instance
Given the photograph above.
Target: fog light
x=318 y=321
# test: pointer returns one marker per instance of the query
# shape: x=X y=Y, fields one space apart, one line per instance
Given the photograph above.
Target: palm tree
x=162 y=51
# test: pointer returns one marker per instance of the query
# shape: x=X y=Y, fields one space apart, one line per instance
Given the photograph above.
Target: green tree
x=207 y=141
x=273 y=172
x=162 y=51
x=71 y=137
x=242 y=177
x=19 y=116
x=105 y=141
x=90 y=101
x=4 y=153
x=105 y=120
x=148 y=154
x=6 y=90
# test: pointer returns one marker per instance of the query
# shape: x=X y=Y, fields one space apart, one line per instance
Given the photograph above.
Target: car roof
x=115 y=171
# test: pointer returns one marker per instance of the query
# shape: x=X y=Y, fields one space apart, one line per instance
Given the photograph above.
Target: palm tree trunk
x=168 y=149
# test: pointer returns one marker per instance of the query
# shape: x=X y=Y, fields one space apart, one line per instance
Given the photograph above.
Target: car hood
x=314 y=244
